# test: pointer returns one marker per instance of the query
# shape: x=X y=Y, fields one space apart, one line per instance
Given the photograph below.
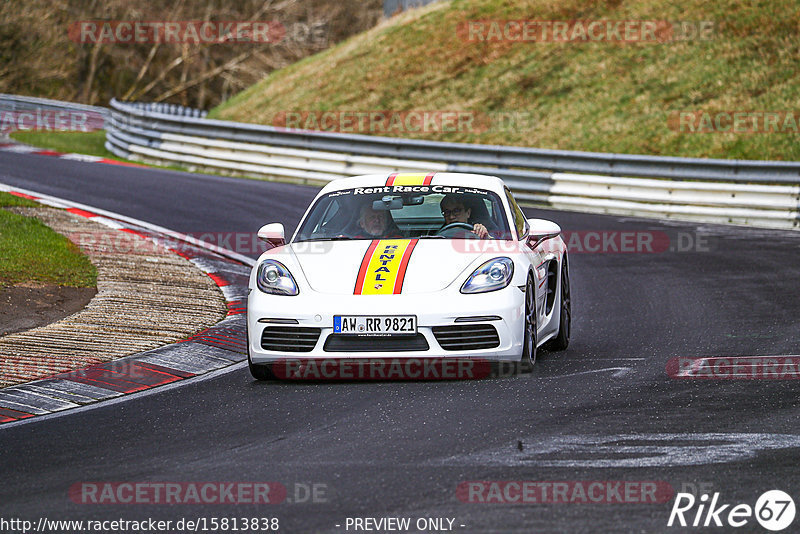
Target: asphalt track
x=604 y=410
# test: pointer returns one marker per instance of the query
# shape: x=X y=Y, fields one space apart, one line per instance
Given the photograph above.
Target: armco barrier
x=95 y=115
x=761 y=193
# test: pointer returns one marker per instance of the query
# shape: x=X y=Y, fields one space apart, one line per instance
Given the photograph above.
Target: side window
x=520 y=222
x=332 y=219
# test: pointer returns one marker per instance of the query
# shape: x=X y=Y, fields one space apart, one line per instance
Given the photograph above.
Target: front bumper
x=315 y=311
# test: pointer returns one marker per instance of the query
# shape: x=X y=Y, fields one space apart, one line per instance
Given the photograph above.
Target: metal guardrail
x=91 y=117
x=468 y=154
x=11 y=102
x=762 y=193
x=169 y=109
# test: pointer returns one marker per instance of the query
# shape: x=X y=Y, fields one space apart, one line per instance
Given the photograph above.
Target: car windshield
x=441 y=212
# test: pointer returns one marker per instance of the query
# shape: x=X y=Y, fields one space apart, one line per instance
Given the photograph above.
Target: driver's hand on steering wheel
x=480 y=230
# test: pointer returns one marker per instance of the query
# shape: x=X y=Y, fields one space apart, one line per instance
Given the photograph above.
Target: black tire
x=561 y=341
x=259 y=371
x=529 y=349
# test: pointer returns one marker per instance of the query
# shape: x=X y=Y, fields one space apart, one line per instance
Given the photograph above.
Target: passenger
x=376 y=223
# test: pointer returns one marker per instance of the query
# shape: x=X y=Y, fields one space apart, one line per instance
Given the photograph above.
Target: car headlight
x=493 y=275
x=274 y=278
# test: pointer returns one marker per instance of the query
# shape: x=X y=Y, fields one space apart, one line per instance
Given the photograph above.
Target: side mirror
x=541 y=230
x=272 y=234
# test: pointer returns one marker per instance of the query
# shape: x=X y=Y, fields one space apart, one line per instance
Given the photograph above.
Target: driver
x=455 y=211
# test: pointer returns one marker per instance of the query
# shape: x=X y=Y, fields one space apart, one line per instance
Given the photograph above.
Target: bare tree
x=39 y=56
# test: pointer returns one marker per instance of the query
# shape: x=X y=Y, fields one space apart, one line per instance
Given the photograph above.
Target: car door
x=532 y=256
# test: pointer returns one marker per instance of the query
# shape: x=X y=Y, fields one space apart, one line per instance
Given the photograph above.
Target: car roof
x=479 y=181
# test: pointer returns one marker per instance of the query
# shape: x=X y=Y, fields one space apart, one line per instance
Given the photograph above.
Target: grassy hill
x=596 y=96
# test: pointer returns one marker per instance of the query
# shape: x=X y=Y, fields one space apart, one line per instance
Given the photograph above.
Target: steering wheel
x=451 y=226
x=448 y=229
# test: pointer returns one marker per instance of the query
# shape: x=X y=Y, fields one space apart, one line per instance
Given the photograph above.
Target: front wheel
x=259 y=371
x=561 y=341
x=529 y=332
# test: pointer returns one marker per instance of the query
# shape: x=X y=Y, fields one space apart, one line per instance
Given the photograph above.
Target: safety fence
x=760 y=193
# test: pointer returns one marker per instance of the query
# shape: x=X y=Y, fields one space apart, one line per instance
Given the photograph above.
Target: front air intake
x=349 y=343
x=467 y=337
x=289 y=338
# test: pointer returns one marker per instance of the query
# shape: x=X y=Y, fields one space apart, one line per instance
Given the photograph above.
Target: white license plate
x=375 y=325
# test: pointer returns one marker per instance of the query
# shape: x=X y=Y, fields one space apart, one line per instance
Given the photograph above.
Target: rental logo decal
x=384 y=267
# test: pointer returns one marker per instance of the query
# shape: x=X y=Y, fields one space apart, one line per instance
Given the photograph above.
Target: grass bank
x=90 y=143
x=30 y=251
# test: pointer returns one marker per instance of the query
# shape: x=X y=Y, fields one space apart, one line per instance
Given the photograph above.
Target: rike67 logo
x=774 y=510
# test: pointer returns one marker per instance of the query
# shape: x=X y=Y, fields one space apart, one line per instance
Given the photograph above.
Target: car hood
x=340 y=267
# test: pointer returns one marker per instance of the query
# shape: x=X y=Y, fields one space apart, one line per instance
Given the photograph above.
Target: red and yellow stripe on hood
x=410 y=178
x=384 y=267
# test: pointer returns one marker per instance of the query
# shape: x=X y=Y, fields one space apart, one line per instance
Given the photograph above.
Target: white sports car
x=440 y=265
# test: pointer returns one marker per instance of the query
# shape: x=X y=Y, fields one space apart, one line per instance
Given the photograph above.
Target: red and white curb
x=20 y=148
x=205 y=353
